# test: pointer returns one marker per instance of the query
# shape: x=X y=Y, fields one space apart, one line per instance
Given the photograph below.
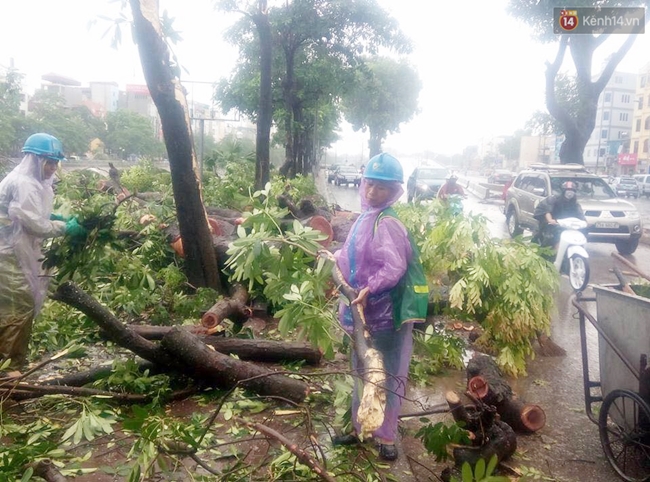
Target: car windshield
x=432 y=173
x=628 y=180
x=588 y=187
x=348 y=170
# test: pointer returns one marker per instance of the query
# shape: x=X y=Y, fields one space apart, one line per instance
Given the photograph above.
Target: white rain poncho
x=26 y=201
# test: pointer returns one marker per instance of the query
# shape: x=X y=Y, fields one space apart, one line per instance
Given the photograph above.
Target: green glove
x=59 y=217
x=74 y=229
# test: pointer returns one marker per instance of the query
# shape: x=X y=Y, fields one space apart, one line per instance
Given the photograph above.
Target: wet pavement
x=568 y=448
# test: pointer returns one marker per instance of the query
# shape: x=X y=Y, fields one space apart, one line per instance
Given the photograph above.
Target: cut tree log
x=220 y=369
x=488 y=385
x=203 y=363
x=233 y=308
x=46 y=470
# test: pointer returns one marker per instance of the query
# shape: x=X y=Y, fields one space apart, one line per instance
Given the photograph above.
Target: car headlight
x=632 y=214
x=422 y=186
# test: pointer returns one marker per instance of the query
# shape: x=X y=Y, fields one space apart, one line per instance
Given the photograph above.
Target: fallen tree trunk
x=265 y=351
x=202 y=363
x=70 y=294
x=187 y=357
x=156 y=333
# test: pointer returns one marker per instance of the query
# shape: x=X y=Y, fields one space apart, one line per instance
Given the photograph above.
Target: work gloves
x=74 y=229
x=59 y=217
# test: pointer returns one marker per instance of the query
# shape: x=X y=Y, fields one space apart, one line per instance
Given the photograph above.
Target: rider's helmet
x=566 y=185
x=384 y=167
x=44 y=145
x=452 y=177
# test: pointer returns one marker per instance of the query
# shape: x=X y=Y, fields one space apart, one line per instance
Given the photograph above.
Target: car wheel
x=627 y=246
x=513 y=223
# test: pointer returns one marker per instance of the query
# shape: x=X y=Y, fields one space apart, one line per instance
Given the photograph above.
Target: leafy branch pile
x=505 y=285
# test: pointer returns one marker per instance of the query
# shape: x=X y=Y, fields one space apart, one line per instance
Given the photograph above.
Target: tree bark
x=264 y=118
x=488 y=385
x=214 y=368
x=115 y=330
x=233 y=308
x=501 y=441
x=188 y=356
x=265 y=351
x=168 y=96
x=45 y=469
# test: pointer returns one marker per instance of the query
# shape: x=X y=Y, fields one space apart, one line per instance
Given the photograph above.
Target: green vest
x=411 y=294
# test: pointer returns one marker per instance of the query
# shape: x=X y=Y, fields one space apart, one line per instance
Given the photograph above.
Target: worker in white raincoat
x=26 y=201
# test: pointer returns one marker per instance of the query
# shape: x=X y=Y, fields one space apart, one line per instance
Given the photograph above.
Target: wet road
x=568 y=448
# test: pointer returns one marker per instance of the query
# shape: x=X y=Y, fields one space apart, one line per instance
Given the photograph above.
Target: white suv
x=644 y=184
x=610 y=219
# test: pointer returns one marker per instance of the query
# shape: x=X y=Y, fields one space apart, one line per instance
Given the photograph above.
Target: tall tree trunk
x=374 y=144
x=169 y=98
x=288 y=169
x=264 y=118
x=578 y=130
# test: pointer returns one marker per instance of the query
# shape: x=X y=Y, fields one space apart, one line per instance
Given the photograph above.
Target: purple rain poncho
x=26 y=200
x=377 y=259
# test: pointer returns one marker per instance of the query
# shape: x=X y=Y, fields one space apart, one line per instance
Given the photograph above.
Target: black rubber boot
x=388 y=452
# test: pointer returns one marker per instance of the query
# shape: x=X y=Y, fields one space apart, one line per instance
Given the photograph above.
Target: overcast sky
x=482 y=73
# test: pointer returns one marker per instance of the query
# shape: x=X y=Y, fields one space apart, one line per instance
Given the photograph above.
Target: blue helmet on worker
x=384 y=167
x=44 y=145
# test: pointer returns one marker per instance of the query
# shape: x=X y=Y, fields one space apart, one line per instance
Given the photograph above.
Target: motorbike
x=571 y=257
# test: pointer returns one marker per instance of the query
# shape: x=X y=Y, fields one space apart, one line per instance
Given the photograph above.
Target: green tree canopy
x=10 y=91
x=130 y=133
x=316 y=46
x=384 y=94
x=50 y=114
x=576 y=125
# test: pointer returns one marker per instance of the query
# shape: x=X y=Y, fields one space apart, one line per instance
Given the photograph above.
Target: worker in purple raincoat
x=373 y=259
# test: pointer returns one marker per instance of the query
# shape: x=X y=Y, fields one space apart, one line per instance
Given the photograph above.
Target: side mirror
x=539 y=191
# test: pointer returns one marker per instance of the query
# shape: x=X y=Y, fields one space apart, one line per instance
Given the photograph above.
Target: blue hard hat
x=384 y=167
x=44 y=145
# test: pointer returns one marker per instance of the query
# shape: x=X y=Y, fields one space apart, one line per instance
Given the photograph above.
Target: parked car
x=500 y=176
x=610 y=219
x=424 y=182
x=627 y=186
x=644 y=184
x=331 y=172
x=347 y=175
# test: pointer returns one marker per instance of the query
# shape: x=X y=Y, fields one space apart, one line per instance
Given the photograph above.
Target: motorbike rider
x=450 y=187
x=554 y=207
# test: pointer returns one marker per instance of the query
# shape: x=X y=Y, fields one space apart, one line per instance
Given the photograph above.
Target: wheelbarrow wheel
x=624 y=427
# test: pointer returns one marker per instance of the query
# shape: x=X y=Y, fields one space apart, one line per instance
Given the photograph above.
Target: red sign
x=568 y=20
x=627 y=159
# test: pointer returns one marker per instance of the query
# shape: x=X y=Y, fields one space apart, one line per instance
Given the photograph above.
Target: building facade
x=639 y=148
x=614 y=120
